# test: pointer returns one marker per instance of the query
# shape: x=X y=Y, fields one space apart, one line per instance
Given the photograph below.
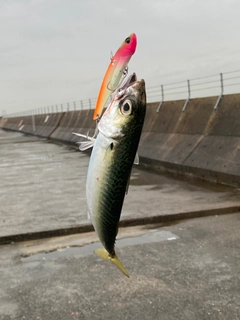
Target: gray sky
x=55 y=51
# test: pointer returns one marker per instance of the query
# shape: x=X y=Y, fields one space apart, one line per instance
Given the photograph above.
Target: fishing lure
x=117 y=69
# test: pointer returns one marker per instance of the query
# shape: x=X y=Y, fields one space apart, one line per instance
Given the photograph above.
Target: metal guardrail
x=214 y=85
x=194 y=88
x=61 y=107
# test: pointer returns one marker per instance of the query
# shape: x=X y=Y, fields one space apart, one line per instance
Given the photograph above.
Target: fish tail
x=106 y=256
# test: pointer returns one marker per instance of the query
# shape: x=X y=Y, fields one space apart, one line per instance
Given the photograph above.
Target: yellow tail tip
x=105 y=255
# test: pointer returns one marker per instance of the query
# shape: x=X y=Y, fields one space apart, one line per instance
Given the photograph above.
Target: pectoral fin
x=84 y=145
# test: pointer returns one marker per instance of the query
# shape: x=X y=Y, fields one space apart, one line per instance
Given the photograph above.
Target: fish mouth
x=131 y=86
x=130 y=80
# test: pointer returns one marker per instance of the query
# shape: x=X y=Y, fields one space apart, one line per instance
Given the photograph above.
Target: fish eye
x=128 y=40
x=126 y=108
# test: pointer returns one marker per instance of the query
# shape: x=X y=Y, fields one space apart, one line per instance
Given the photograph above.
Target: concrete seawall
x=200 y=142
x=74 y=121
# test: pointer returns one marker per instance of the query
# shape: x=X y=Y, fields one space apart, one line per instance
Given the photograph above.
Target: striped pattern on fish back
x=114 y=189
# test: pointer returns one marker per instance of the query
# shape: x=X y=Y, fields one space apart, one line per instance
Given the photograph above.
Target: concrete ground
x=183 y=269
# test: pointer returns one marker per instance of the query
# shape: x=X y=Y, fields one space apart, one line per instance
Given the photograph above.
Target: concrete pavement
x=185 y=271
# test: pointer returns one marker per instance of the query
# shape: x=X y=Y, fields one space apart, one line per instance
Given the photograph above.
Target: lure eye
x=126 y=108
x=128 y=40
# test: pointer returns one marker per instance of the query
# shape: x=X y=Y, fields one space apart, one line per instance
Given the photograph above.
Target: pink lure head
x=129 y=45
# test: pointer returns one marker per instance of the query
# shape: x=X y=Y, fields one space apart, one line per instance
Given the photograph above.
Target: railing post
x=81 y=105
x=90 y=105
x=160 y=104
x=221 y=94
x=189 y=94
x=74 y=105
x=33 y=121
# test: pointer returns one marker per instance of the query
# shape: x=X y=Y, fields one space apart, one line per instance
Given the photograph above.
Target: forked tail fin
x=105 y=255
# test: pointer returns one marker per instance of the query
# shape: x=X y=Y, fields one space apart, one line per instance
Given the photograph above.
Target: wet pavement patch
x=151 y=236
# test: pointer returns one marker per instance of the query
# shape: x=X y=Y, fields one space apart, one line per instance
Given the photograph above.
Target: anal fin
x=136 y=160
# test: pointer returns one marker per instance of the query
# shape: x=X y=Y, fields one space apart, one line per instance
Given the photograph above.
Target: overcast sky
x=54 y=51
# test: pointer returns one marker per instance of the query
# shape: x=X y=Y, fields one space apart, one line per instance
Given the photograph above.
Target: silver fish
x=111 y=162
